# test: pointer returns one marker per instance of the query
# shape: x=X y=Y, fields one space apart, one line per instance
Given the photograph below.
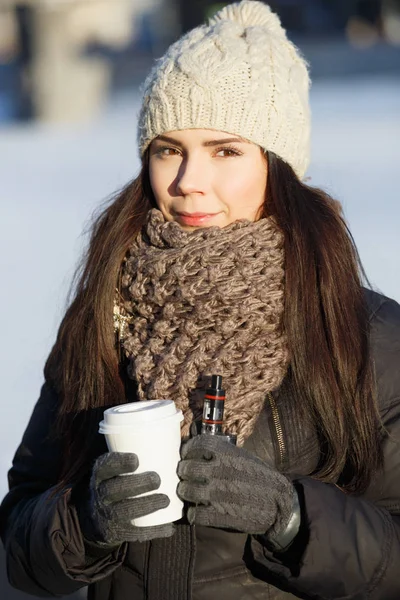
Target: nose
x=191 y=177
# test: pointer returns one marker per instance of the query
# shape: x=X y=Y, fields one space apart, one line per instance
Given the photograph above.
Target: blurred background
x=70 y=75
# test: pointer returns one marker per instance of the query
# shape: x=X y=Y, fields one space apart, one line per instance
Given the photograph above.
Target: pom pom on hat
x=239 y=74
x=250 y=13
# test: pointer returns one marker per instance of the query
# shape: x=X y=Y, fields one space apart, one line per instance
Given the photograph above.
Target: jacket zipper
x=146 y=568
x=278 y=429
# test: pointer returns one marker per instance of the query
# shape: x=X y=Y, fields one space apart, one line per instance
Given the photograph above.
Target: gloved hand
x=228 y=487
x=112 y=504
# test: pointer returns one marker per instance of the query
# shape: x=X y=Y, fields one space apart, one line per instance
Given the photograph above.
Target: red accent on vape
x=213 y=410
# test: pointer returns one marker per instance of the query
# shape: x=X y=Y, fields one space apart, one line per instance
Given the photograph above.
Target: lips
x=195 y=219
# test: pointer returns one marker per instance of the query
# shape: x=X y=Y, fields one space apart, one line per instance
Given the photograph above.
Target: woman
x=219 y=259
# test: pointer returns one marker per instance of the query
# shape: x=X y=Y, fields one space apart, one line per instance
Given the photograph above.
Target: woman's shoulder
x=384 y=316
x=381 y=308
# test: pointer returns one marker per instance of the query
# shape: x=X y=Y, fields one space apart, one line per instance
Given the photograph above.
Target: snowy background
x=53 y=178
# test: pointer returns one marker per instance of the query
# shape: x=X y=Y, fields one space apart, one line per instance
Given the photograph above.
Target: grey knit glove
x=112 y=504
x=231 y=488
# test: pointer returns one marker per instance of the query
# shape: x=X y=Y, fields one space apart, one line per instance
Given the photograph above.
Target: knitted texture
x=204 y=302
x=239 y=74
x=116 y=499
x=231 y=488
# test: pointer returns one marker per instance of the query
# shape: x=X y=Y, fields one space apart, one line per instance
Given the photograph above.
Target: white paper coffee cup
x=150 y=429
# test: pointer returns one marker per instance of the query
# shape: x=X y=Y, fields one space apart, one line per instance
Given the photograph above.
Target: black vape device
x=213 y=411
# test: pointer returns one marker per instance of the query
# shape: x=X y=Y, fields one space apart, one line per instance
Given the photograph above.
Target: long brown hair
x=325 y=318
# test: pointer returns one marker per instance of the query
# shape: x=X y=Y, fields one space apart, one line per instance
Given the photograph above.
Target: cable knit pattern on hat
x=204 y=302
x=239 y=74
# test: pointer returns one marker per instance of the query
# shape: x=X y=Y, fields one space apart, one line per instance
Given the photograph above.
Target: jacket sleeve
x=350 y=549
x=46 y=553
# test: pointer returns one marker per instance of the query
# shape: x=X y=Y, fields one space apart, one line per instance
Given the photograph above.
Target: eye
x=227 y=152
x=166 y=151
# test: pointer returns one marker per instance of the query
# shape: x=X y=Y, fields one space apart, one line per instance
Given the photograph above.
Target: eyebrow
x=207 y=144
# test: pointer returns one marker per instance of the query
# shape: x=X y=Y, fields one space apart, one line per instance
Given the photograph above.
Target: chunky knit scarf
x=204 y=302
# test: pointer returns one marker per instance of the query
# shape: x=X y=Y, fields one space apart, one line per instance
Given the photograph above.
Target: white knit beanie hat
x=239 y=74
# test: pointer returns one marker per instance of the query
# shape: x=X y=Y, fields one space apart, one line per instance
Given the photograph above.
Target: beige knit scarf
x=206 y=302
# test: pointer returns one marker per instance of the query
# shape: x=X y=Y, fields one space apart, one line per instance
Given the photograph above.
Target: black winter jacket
x=352 y=548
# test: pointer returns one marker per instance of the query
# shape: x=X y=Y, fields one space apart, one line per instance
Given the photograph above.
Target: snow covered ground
x=53 y=178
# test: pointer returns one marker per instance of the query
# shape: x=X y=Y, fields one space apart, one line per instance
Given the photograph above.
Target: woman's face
x=202 y=177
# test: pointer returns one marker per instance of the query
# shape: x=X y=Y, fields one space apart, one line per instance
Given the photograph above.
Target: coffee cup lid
x=139 y=413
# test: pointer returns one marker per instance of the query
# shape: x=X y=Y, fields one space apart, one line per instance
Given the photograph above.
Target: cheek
x=245 y=190
x=159 y=182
